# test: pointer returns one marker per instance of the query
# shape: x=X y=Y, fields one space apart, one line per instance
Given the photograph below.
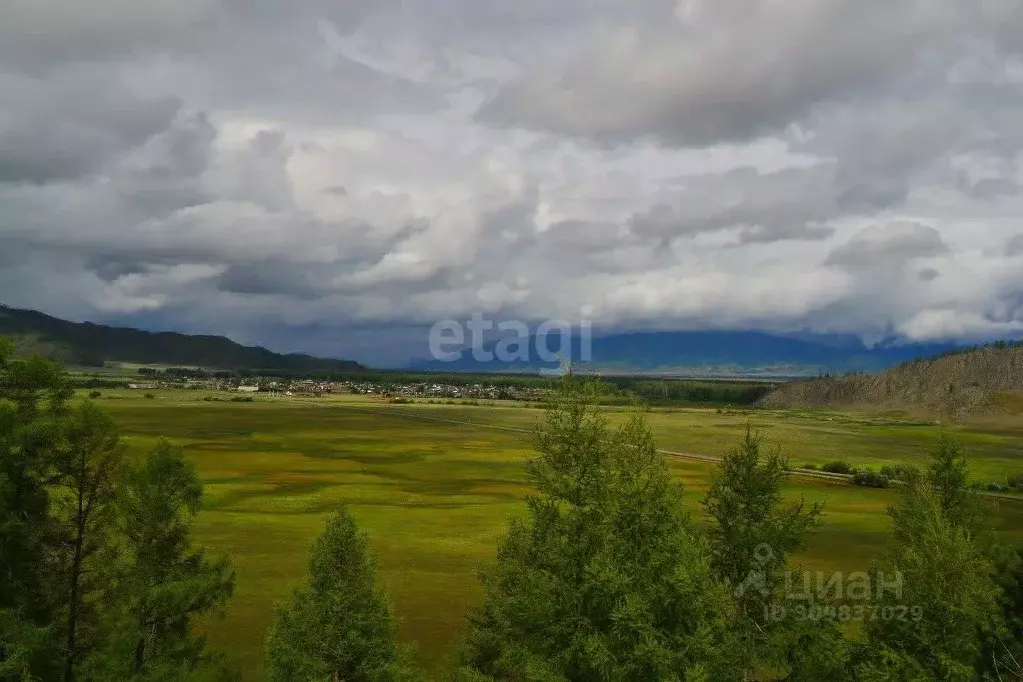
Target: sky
x=335 y=177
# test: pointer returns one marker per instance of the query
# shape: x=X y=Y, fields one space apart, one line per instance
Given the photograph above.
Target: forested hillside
x=93 y=344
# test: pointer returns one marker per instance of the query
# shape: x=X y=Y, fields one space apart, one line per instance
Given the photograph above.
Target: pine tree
x=948 y=474
x=338 y=626
x=941 y=603
x=34 y=397
x=162 y=580
x=85 y=509
x=752 y=536
x=948 y=566
x=606 y=577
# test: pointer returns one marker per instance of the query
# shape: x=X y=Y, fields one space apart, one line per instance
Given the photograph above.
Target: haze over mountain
x=338 y=176
x=698 y=352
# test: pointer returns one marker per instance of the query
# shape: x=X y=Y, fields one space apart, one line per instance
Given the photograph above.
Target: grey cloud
x=37 y=35
x=69 y=125
x=889 y=245
x=784 y=205
x=576 y=235
x=991 y=188
x=741 y=70
x=242 y=167
x=274 y=278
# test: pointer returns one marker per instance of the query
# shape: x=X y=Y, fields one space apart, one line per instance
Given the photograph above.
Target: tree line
x=607 y=576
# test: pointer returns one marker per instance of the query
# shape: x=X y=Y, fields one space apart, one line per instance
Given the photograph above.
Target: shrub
x=870 y=478
x=94 y=394
x=810 y=467
x=838 y=467
x=150 y=396
x=242 y=399
x=905 y=473
x=1016 y=482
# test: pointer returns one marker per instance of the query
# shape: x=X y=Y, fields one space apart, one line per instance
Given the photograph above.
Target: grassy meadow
x=434 y=485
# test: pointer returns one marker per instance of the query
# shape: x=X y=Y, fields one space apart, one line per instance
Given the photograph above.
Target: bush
x=905 y=473
x=870 y=478
x=838 y=467
x=94 y=394
x=1016 y=482
x=996 y=487
x=242 y=399
x=810 y=467
x=150 y=396
x=400 y=401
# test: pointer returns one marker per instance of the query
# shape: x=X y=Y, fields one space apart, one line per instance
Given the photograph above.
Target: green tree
x=85 y=509
x=936 y=592
x=339 y=626
x=948 y=474
x=752 y=536
x=162 y=580
x=606 y=577
x=1001 y=653
x=34 y=397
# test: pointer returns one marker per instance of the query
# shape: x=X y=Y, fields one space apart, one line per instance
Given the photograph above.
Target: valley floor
x=434 y=485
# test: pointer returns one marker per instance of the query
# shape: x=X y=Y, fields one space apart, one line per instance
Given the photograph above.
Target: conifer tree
x=752 y=537
x=162 y=580
x=944 y=619
x=606 y=577
x=85 y=511
x=34 y=395
x=339 y=625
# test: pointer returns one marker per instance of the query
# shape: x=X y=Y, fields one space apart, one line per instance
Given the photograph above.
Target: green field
x=435 y=493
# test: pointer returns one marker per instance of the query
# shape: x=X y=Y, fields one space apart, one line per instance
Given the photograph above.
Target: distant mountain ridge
x=972 y=380
x=702 y=352
x=89 y=344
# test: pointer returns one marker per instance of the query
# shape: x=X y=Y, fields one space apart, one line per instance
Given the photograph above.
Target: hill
x=961 y=382
x=717 y=353
x=88 y=344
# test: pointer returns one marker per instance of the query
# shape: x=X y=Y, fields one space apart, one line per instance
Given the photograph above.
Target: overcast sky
x=336 y=176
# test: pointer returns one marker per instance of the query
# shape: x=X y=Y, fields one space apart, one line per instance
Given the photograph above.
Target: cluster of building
x=315 y=388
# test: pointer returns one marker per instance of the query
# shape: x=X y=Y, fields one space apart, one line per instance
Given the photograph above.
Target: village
x=312 y=388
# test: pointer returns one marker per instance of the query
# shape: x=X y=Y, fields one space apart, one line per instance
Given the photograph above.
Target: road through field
x=671 y=453
x=805 y=473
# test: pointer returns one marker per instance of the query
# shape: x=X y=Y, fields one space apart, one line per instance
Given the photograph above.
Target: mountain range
x=694 y=353
x=88 y=344
x=708 y=353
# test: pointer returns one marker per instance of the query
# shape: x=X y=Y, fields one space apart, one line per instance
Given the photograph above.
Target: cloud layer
x=335 y=177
